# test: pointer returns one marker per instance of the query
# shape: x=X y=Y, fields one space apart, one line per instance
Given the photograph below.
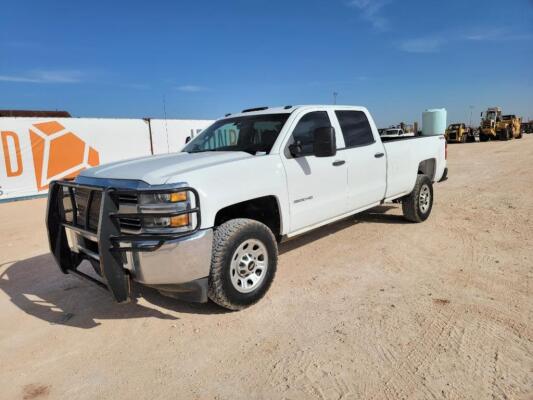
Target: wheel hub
x=248 y=266
x=424 y=199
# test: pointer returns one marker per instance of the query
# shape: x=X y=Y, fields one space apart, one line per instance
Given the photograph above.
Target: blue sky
x=206 y=58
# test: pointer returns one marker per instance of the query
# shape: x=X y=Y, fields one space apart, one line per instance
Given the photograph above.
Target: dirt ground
x=369 y=308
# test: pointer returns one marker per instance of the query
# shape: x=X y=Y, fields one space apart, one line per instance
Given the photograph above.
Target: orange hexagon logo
x=58 y=153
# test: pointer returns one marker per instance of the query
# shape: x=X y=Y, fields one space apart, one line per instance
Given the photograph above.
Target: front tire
x=506 y=134
x=243 y=264
x=418 y=204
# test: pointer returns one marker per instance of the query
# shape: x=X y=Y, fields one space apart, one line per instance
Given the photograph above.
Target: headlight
x=176 y=221
x=163 y=198
x=171 y=204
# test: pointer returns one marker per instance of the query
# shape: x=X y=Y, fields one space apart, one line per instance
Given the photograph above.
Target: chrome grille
x=131 y=224
x=128 y=198
x=81 y=197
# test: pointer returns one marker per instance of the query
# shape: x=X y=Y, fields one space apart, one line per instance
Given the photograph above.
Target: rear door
x=317 y=186
x=365 y=157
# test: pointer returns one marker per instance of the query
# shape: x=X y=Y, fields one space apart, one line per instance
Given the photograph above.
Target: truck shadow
x=38 y=288
x=379 y=215
x=374 y=215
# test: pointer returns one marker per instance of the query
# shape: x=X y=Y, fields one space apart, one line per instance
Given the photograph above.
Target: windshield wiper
x=199 y=151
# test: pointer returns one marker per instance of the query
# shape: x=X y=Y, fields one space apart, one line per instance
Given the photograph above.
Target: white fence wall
x=169 y=135
x=35 y=151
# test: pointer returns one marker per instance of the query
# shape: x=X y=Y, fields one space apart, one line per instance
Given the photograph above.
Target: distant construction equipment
x=459 y=133
x=494 y=125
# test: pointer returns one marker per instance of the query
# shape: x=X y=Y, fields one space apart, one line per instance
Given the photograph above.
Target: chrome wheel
x=424 y=198
x=249 y=265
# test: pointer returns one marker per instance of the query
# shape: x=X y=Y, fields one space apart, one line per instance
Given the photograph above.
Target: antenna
x=165 y=114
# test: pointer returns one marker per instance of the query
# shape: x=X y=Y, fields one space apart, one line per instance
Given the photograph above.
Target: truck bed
x=405 y=155
x=396 y=138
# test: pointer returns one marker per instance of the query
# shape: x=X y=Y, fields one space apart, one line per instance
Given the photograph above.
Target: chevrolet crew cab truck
x=205 y=223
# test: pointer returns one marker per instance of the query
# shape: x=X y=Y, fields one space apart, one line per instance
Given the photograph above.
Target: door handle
x=338 y=163
x=379 y=155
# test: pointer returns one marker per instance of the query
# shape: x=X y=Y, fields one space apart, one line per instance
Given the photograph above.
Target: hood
x=156 y=170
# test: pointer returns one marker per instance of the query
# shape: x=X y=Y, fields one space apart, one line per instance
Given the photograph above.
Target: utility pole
x=335 y=97
x=471 y=108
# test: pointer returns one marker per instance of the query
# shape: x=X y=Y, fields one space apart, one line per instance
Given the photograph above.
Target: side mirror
x=188 y=139
x=481 y=114
x=325 y=144
x=296 y=149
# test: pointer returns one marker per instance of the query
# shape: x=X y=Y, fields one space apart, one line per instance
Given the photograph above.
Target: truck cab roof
x=290 y=109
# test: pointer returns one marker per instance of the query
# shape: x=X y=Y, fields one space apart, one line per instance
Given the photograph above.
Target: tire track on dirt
x=301 y=373
x=441 y=330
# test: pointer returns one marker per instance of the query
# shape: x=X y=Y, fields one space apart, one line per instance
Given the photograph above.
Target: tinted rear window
x=355 y=128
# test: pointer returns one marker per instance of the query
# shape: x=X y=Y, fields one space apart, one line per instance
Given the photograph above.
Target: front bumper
x=177 y=265
x=176 y=261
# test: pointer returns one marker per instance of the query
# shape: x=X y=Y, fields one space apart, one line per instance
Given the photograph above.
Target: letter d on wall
x=10 y=169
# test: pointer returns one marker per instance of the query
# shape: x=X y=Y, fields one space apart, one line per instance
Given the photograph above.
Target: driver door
x=317 y=186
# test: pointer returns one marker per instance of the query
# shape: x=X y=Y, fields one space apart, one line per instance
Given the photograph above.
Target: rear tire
x=418 y=204
x=483 y=137
x=243 y=264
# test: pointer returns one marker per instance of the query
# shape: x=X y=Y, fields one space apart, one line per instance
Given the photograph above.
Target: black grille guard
x=108 y=235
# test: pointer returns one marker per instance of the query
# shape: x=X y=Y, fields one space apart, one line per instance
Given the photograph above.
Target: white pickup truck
x=206 y=222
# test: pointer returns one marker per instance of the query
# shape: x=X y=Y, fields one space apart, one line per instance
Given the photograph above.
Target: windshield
x=491 y=115
x=454 y=126
x=252 y=134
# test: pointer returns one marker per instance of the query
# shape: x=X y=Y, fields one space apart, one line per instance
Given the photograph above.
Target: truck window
x=304 y=130
x=252 y=134
x=226 y=135
x=355 y=128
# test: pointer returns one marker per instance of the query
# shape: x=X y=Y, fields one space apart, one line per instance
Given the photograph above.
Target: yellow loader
x=495 y=126
x=459 y=133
